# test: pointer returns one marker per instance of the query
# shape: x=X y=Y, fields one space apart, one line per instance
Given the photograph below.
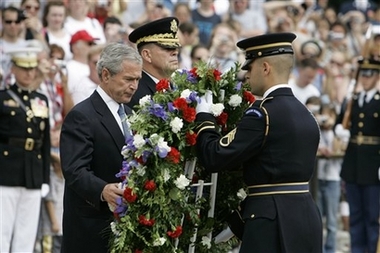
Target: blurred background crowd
x=331 y=37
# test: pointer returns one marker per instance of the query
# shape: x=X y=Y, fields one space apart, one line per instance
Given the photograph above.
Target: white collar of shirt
x=153 y=78
x=370 y=94
x=112 y=105
x=273 y=88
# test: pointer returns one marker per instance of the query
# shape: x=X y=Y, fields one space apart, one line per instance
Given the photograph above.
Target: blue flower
x=158 y=111
x=121 y=208
x=238 y=85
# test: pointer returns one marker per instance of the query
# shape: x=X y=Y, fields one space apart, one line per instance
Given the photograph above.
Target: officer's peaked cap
x=369 y=64
x=266 y=45
x=25 y=57
x=162 y=31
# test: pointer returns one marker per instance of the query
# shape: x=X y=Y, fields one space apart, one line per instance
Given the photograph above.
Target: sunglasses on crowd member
x=8 y=22
x=29 y=7
x=368 y=72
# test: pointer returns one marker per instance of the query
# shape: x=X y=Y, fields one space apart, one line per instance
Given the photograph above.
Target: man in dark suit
x=158 y=45
x=361 y=163
x=24 y=154
x=275 y=144
x=91 y=132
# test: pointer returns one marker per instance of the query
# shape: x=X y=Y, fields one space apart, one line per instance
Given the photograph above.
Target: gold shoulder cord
x=266 y=119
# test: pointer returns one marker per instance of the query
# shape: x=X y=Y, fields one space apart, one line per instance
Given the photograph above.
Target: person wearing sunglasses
x=361 y=163
x=33 y=25
x=12 y=27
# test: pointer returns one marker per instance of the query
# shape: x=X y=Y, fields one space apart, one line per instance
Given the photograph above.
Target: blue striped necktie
x=124 y=124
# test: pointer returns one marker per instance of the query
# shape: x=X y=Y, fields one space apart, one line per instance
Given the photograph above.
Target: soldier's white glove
x=342 y=133
x=205 y=103
x=224 y=236
x=45 y=188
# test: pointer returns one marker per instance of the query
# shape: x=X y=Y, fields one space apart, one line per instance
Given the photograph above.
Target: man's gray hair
x=113 y=55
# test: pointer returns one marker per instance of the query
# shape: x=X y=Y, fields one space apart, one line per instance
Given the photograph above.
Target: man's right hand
x=111 y=193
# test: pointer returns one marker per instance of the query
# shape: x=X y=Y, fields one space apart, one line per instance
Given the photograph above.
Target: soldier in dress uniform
x=158 y=45
x=24 y=154
x=275 y=143
x=361 y=163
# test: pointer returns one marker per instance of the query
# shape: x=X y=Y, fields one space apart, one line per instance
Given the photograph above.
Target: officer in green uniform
x=24 y=154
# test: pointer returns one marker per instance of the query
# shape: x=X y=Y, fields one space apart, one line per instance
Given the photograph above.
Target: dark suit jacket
x=89 y=134
x=288 y=155
x=146 y=87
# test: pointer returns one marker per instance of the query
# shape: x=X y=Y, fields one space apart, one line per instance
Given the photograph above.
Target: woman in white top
x=78 y=20
x=54 y=31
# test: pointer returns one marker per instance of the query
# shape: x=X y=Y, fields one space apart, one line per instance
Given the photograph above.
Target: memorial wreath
x=159 y=211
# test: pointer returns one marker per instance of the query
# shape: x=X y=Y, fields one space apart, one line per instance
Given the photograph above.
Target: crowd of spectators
x=72 y=33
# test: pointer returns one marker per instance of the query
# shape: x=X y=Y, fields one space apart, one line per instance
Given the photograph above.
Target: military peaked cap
x=162 y=31
x=25 y=57
x=266 y=45
x=369 y=64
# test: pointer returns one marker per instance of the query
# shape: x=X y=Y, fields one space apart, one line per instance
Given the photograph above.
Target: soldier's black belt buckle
x=29 y=144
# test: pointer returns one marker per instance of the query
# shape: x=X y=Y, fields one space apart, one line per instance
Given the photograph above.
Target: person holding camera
x=29 y=12
x=12 y=25
x=329 y=165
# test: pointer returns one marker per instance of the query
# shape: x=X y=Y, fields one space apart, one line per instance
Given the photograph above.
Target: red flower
x=162 y=85
x=150 y=185
x=146 y=222
x=176 y=233
x=191 y=138
x=116 y=216
x=222 y=119
x=140 y=160
x=180 y=103
x=138 y=251
x=174 y=155
x=193 y=71
x=189 y=114
x=129 y=195
x=248 y=97
x=217 y=74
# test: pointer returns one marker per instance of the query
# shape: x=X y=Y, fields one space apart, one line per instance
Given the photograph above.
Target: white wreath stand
x=189 y=172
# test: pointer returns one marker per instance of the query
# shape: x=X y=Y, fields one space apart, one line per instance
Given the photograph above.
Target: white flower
x=132 y=118
x=140 y=170
x=159 y=241
x=166 y=175
x=145 y=100
x=181 y=182
x=138 y=141
x=114 y=229
x=125 y=152
x=162 y=144
x=206 y=242
x=217 y=109
x=185 y=94
x=235 y=100
x=176 y=124
x=241 y=194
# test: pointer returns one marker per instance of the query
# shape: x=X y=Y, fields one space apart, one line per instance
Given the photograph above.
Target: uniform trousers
x=364 y=216
x=19 y=214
